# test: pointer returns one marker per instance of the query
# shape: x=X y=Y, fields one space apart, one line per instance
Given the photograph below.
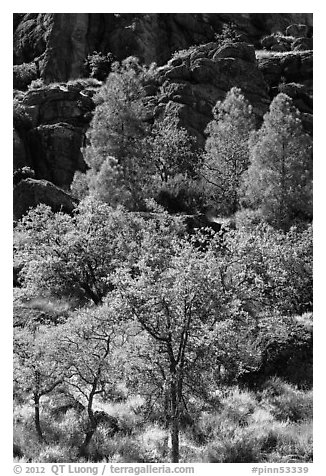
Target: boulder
x=291 y=67
x=297 y=30
x=60 y=102
x=281 y=47
x=268 y=41
x=56 y=152
x=29 y=193
x=243 y=51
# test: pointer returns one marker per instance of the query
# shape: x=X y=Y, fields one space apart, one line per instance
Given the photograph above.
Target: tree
x=74 y=255
x=178 y=298
x=117 y=130
x=172 y=162
x=227 y=152
x=279 y=179
x=89 y=346
x=35 y=370
x=269 y=270
x=171 y=150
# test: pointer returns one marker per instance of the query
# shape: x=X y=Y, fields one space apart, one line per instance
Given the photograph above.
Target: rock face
x=51 y=125
x=30 y=192
x=59 y=116
x=60 y=42
x=193 y=81
x=291 y=73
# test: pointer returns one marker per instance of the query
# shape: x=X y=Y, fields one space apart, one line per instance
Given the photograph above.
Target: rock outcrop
x=59 y=42
x=29 y=193
x=291 y=73
x=59 y=116
x=52 y=119
x=195 y=79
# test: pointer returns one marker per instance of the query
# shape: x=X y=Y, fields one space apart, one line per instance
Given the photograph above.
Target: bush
x=294 y=444
x=180 y=194
x=286 y=402
x=79 y=187
x=229 y=34
x=98 y=65
x=36 y=84
x=24 y=74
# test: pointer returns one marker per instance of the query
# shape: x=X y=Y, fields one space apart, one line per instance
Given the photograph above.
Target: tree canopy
x=279 y=179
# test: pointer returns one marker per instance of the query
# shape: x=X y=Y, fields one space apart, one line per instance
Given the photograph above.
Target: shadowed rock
x=30 y=192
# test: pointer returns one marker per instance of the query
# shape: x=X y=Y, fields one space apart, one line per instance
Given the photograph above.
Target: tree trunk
x=174 y=421
x=37 y=418
x=83 y=450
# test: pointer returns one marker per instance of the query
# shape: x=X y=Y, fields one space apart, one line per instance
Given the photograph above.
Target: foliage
x=287 y=402
x=117 y=129
x=179 y=194
x=171 y=164
x=36 y=84
x=79 y=187
x=229 y=34
x=73 y=255
x=24 y=74
x=98 y=65
x=35 y=371
x=227 y=150
x=278 y=181
x=170 y=149
x=270 y=269
x=179 y=298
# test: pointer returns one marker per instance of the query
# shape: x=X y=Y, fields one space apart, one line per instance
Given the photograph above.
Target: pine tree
x=116 y=131
x=279 y=179
x=227 y=152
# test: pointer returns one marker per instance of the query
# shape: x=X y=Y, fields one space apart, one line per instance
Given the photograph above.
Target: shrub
x=36 y=84
x=287 y=402
x=294 y=444
x=24 y=74
x=98 y=65
x=180 y=194
x=229 y=34
x=79 y=187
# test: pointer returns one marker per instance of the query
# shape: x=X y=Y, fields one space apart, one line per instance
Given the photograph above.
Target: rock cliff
x=51 y=119
x=60 y=42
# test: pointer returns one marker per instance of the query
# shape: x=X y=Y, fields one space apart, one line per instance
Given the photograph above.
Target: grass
x=270 y=425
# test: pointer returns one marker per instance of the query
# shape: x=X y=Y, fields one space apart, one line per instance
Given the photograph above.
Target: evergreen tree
x=227 y=152
x=279 y=179
x=117 y=130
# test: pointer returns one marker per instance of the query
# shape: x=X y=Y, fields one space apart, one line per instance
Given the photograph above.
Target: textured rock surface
x=60 y=42
x=291 y=73
x=297 y=30
x=297 y=67
x=30 y=192
x=56 y=152
x=187 y=83
x=59 y=115
x=191 y=84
